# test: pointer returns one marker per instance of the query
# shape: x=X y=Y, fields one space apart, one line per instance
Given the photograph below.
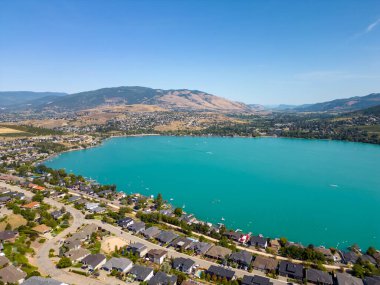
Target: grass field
x=371 y=129
x=5 y=131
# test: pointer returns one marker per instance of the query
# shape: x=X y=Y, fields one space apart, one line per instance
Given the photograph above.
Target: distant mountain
x=181 y=99
x=343 y=105
x=13 y=98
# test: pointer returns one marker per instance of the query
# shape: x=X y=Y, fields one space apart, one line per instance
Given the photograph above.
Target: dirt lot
x=108 y=244
x=14 y=220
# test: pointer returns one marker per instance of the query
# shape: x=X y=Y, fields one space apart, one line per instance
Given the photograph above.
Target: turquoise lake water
x=311 y=191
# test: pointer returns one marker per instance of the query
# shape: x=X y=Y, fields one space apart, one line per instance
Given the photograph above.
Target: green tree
x=64 y=262
x=159 y=201
x=178 y=212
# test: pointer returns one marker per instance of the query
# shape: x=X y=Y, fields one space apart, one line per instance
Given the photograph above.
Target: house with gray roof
x=151 y=232
x=185 y=265
x=221 y=272
x=200 y=247
x=73 y=199
x=161 y=278
x=141 y=273
x=120 y=264
x=181 y=243
x=319 y=277
x=255 y=280
x=349 y=257
x=77 y=255
x=242 y=258
x=136 y=227
x=3 y=260
x=347 y=279
x=291 y=270
x=37 y=280
x=94 y=261
x=166 y=237
x=138 y=248
x=258 y=241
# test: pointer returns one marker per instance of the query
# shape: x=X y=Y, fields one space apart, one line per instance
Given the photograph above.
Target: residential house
x=73 y=199
x=57 y=214
x=31 y=205
x=151 y=232
x=165 y=237
x=42 y=229
x=121 y=264
x=221 y=272
x=3 y=261
x=125 y=222
x=274 y=245
x=255 y=280
x=161 y=278
x=185 y=265
x=326 y=253
x=368 y=258
x=181 y=243
x=373 y=280
x=77 y=255
x=94 y=261
x=235 y=236
x=157 y=255
x=137 y=227
x=258 y=241
x=138 y=248
x=349 y=257
x=9 y=236
x=242 y=258
x=37 y=280
x=290 y=270
x=347 y=279
x=218 y=252
x=91 y=206
x=141 y=273
x=11 y=274
x=265 y=264
x=200 y=247
x=319 y=277
x=5 y=199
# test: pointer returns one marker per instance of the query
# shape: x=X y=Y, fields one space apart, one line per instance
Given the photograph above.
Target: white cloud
x=372 y=25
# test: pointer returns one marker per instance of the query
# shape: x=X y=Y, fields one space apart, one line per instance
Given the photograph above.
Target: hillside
x=182 y=99
x=373 y=111
x=13 y=98
x=343 y=105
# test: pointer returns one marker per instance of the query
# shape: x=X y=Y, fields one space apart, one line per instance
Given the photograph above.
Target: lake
x=310 y=191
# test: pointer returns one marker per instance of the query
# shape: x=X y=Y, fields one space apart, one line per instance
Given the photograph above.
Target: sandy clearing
x=4 y=130
x=108 y=244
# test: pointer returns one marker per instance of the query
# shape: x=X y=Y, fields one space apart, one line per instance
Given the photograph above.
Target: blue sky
x=265 y=52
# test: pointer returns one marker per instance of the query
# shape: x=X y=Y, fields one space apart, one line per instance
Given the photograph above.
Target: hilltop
x=174 y=99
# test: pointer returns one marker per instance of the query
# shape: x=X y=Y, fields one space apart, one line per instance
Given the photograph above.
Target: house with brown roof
x=157 y=255
x=274 y=245
x=218 y=252
x=42 y=229
x=11 y=274
x=265 y=264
